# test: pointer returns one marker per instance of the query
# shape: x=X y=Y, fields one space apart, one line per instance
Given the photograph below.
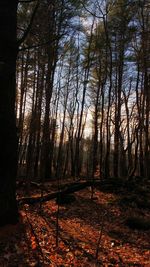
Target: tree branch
x=19 y=42
x=91 y=13
x=23 y=48
x=74 y=188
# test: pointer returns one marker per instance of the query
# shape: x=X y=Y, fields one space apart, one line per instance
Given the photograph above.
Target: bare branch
x=20 y=41
x=91 y=13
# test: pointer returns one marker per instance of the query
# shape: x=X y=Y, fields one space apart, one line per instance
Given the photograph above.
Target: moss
x=63 y=199
x=128 y=201
x=138 y=222
x=135 y=201
x=143 y=204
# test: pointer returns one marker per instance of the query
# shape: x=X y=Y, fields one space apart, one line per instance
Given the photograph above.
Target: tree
x=8 y=132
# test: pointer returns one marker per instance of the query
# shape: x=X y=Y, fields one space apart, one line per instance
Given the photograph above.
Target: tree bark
x=8 y=132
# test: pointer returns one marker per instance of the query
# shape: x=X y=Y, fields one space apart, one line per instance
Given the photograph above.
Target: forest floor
x=91 y=232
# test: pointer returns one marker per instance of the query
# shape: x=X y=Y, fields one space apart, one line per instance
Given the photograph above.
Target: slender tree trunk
x=51 y=52
x=118 y=105
x=32 y=132
x=22 y=106
x=146 y=49
x=86 y=77
x=108 y=57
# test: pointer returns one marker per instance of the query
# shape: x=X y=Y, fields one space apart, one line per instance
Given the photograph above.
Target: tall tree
x=8 y=132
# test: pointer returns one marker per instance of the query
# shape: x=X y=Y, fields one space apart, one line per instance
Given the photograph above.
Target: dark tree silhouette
x=8 y=133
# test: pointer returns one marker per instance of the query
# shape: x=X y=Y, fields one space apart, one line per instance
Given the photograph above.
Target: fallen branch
x=74 y=188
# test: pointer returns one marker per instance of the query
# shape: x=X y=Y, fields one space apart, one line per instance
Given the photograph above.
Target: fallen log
x=74 y=188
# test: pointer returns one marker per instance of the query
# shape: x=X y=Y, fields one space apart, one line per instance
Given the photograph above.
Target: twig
x=57 y=226
x=58 y=209
x=100 y=236
x=36 y=239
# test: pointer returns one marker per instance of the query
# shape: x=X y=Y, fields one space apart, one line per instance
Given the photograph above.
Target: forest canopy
x=83 y=88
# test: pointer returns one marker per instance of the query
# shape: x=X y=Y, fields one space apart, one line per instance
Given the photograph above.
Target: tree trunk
x=8 y=133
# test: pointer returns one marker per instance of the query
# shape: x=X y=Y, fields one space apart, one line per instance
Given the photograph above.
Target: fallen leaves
x=33 y=243
x=79 y=228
